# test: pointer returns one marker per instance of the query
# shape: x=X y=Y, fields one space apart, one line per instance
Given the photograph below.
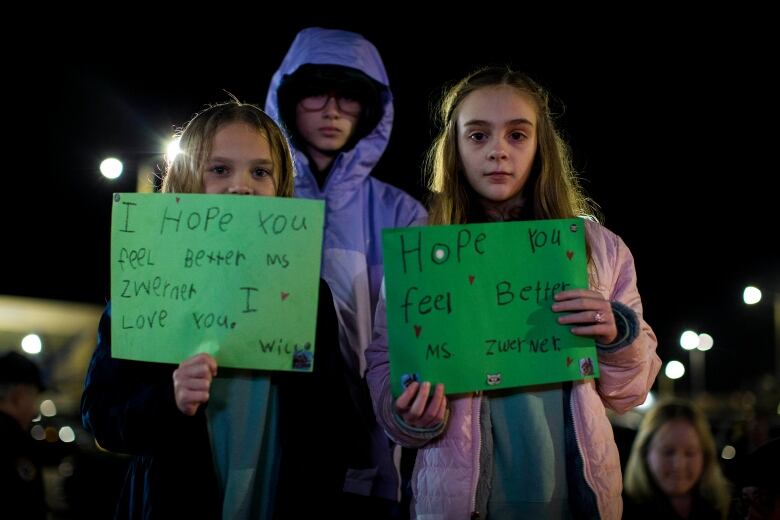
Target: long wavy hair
x=712 y=487
x=184 y=174
x=552 y=190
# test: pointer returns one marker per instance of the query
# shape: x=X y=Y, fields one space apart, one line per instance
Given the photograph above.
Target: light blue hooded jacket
x=358 y=207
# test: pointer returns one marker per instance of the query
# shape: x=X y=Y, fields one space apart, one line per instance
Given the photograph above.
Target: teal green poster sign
x=469 y=305
x=237 y=277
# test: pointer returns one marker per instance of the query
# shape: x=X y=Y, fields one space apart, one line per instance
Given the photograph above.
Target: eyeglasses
x=346 y=104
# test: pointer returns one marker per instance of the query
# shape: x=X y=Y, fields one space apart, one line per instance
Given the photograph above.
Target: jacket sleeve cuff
x=627 y=325
x=421 y=433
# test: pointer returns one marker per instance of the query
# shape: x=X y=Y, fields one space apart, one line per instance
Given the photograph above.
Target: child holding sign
x=535 y=452
x=193 y=461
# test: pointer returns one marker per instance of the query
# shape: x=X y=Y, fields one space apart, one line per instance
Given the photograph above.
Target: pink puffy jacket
x=445 y=475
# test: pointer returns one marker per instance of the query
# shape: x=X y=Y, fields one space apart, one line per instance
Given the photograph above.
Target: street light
x=111 y=168
x=689 y=340
x=751 y=295
x=172 y=149
x=673 y=370
x=705 y=342
x=696 y=345
x=146 y=165
x=32 y=344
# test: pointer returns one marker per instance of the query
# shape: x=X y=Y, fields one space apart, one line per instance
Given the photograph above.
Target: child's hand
x=192 y=380
x=589 y=309
x=415 y=409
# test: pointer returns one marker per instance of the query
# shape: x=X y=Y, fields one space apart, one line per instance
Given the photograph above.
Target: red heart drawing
x=568 y=361
x=570 y=254
x=471 y=279
x=417 y=330
x=285 y=295
x=177 y=200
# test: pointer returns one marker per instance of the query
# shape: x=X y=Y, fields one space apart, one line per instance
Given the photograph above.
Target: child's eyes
x=224 y=170
x=480 y=137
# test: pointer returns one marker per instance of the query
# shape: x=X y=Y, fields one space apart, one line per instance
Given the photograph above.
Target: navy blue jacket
x=130 y=408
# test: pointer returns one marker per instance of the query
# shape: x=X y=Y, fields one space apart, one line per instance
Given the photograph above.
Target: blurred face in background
x=675 y=458
x=20 y=401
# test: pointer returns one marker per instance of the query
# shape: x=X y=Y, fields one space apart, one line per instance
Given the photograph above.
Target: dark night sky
x=674 y=133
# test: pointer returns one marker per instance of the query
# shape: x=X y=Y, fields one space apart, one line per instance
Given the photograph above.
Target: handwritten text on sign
x=469 y=305
x=237 y=277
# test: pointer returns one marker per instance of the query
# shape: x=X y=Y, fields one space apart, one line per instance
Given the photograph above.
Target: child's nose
x=242 y=184
x=497 y=153
x=331 y=106
x=240 y=187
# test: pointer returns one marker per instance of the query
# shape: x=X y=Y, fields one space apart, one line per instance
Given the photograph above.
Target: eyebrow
x=261 y=161
x=482 y=122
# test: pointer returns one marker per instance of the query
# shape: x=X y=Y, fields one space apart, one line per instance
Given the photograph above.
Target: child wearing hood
x=332 y=95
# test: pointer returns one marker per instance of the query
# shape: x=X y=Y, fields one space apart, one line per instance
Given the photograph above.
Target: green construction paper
x=237 y=277
x=460 y=299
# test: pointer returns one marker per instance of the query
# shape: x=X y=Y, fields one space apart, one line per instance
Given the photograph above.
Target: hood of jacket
x=316 y=45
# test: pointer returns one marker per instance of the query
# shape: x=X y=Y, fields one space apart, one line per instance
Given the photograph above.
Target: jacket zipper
x=474 y=512
x=579 y=444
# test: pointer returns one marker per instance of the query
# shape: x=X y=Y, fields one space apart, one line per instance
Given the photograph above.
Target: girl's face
x=240 y=162
x=497 y=142
x=675 y=458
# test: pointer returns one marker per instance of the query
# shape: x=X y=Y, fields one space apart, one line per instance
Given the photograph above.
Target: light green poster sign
x=237 y=277
x=469 y=305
